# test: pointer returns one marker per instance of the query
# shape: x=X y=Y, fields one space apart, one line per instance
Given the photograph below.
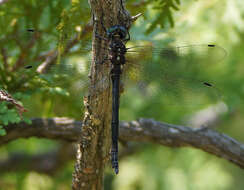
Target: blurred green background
x=59 y=93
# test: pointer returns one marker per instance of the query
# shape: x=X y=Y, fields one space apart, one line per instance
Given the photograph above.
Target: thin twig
x=4 y=96
x=53 y=54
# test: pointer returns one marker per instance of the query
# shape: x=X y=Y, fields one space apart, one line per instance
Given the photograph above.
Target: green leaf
x=27 y=120
x=3 y=107
x=171 y=20
x=8 y=115
x=178 y=2
x=2 y=131
x=174 y=7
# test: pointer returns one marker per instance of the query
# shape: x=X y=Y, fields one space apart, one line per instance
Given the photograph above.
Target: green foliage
x=162 y=11
x=195 y=170
x=58 y=92
x=55 y=24
x=2 y=131
x=165 y=13
x=7 y=116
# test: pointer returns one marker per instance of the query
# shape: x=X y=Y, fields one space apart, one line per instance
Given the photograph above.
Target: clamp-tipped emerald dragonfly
x=117 y=36
x=169 y=72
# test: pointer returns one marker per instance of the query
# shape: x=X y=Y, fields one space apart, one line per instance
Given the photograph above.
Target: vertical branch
x=94 y=145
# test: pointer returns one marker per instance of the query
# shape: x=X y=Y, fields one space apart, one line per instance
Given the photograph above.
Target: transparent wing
x=178 y=73
x=178 y=76
x=47 y=64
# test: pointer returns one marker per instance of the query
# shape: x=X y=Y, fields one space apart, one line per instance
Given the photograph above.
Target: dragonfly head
x=118 y=32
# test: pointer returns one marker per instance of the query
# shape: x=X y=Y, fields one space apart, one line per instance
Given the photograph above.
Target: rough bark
x=94 y=145
x=143 y=130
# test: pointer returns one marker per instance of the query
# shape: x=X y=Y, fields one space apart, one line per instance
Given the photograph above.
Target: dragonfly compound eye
x=117 y=30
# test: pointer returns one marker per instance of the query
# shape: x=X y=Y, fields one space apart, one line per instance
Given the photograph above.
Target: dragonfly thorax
x=117 y=52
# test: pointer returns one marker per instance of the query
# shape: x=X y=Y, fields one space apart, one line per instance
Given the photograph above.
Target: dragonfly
x=169 y=73
x=117 y=37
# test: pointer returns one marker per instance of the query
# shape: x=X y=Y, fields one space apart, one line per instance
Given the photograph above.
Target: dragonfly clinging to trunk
x=167 y=73
x=117 y=36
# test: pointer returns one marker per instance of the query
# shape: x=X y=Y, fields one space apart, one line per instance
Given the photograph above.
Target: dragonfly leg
x=101 y=37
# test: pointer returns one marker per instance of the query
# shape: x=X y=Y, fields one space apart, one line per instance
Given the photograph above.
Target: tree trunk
x=94 y=145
